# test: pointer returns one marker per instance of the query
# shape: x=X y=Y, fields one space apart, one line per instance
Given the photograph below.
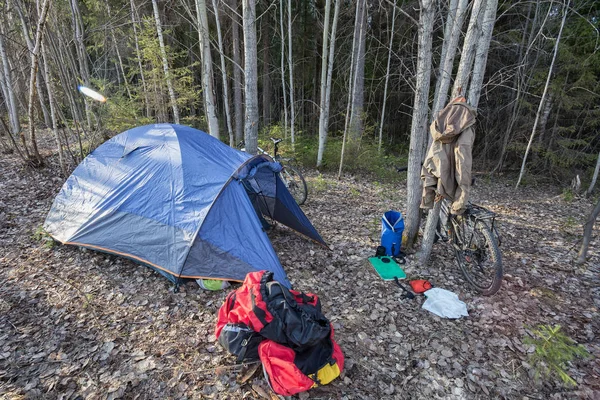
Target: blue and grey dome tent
x=179 y=201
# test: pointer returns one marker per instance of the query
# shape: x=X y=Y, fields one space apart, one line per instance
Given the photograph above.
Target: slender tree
x=165 y=62
x=537 y=116
x=587 y=233
x=251 y=78
x=419 y=121
x=6 y=81
x=387 y=79
x=134 y=24
x=326 y=86
x=594 y=177
x=237 y=74
x=224 y=75
x=291 y=74
x=207 y=72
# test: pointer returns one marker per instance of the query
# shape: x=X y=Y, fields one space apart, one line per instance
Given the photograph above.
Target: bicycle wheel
x=478 y=255
x=294 y=181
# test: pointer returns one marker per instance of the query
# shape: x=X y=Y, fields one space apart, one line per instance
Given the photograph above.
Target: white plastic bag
x=445 y=304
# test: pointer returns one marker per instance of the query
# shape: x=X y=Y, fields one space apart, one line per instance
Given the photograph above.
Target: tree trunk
x=224 y=76
x=266 y=61
x=322 y=128
x=11 y=101
x=237 y=75
x=38 y=81
x=50 y=90
x=539 y=111
x=139 y=57
x=481 y=54
x=587 y=232
x=165 y=62
x=454 y=24
x=251 y=72
x=594 y=178
x=433 y=218
x=356 y=112
x=468 y=50
x=326 y=86
x=350 y=87
x=291 y=73
x=285 y=110
x=387 y=79
x=418 y=130
x=207 y=71
x=32 y=77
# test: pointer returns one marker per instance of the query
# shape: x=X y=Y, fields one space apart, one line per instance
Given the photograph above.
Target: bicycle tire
x=483 y=248
x=294 y=181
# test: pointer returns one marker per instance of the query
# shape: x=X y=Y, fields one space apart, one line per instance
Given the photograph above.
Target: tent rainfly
x=179 y=201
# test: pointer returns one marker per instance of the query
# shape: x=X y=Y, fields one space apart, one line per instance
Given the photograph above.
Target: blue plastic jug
x=392 y=226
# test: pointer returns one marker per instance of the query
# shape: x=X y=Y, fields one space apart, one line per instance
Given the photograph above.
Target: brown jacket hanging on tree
x=447 y=167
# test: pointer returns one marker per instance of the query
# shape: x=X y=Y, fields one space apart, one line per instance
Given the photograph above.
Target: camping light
x=91 y=93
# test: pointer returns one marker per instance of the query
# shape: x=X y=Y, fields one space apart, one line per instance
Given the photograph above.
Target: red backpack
x=283 y=328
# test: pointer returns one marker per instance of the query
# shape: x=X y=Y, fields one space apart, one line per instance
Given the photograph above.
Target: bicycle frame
x=479 y=215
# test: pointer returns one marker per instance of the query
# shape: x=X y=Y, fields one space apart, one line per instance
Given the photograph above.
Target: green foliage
x=568 y=195
x=41 y=235
x=553 y=351
x=317 y=185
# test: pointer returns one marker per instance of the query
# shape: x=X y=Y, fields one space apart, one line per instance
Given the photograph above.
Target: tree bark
x=165 y=62
x=139 y=57
x=387 y=79
x=539 y=111
x=32 y=77
x=251 y=72
x=468 y=50
x=587 y=232
x=326 y=86
x=11 y=101
x=237 y=75
x=285 y=110
x=207 y=71
x=481 y=54
x=356 y=113
x=454 y=24
x=224 y=76
x=594 y=178
x=418 y=130
x=50 y=90
x=291 y=74
x=265 y=76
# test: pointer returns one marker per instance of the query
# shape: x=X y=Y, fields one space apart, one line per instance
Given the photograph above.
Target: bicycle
x=290 y=176
x=476 y=243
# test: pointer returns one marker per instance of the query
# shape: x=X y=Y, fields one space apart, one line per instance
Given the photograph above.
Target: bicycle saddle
x=275 y=140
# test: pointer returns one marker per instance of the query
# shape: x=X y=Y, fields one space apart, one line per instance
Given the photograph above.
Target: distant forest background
x=187 y=61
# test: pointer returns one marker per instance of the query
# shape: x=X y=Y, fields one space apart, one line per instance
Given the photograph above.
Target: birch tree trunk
x=291 y=73
x=356 y=112
x=468 y=50
x=165 y=62
x=266 y=63
x=32 y=77
x=539 y=111
x=207 y=71
x=322 y=128
x=481 y=54
x=139 y=56
x=285 y=111
x=387 y=79
x=237 y=75
x=224 y=76
x=418 y=130
x=11 y=101
x=251 y=72
x=594 y=178
x=50 y=90
x=324 y=116
x=38 y=81
x=350 y=88
x=453 y=29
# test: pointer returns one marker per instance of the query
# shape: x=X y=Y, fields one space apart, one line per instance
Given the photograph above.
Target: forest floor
x=76 y=323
